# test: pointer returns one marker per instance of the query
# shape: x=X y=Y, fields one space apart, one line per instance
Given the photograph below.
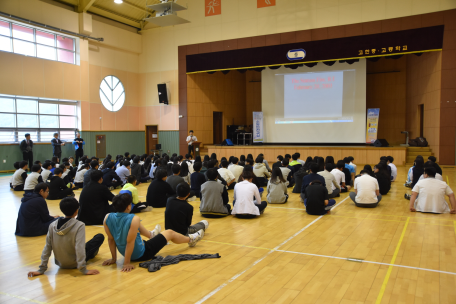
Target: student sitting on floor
x=110 y=177
x=260 y=171
x=93 y=167
x=317 y=201
x=277 y=188
x=382 y=176
x=19 y=177
x=227 y=175
x=33 y=179
x=124 y=232
x=130 y=188
x=244 y=205
x=57 y=187
x=349 y=179
x=214 y=164
x=436 y=166
x=136 y=171
x=214 y=197
x=330 y=181
x=159 y=190
x=79 y=178
x=432 y=194
x=179 y=213
x=287 y=172
x=236 y=169
x=393 y=167
x=197 y=179
x=430 y=164
x=94 y=201
x=312 y=176
x=184 y=173
x=124 y=171
x=33 y=218
x=66 y=238
x=339 y=175
x=294 y=160
x=352 y=159
x=46 y=174
x=278 y=163
x=367 y=192
x=299 y=175
x=299 y=158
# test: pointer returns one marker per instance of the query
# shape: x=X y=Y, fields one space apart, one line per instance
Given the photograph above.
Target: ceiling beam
x=137 y=7
x=85 y=5
x=114 y=16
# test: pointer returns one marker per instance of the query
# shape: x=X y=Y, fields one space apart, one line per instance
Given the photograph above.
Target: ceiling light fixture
x=118 y=1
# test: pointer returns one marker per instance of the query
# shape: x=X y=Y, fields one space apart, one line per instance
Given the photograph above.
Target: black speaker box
x=381 y=143
x=162 y=93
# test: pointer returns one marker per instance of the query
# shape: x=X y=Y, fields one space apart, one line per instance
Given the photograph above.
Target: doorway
x=101 y=146
x=421 y=117
x=151 y=138
x=217 y=124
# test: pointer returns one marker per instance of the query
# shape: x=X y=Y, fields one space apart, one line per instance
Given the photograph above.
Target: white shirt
x=226 y=174
x=45 y=174
x=339 y=176
x=192 y=139
x=354 y=166
x=330 y=180
x=393 y=171
x=301 y=161
x=244 y=192
x=366 y=186
x=285 y=172
x=437 y=177
x=236 y=170
x=79 y=178
x=432 y=195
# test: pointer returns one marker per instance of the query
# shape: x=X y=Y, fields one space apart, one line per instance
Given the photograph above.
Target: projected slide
x=316 y=105
x=313 y=95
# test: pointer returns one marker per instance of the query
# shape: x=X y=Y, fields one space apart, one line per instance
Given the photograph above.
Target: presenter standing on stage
x=190 y=140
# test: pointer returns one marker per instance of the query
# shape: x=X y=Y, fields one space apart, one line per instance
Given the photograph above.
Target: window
x=112 y=93
x=35 y=42
x=39 y=117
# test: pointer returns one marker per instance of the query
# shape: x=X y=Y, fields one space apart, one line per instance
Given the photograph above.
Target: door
x=101 y=146
x=217 y=128
x=421 y=116
x=151 y=138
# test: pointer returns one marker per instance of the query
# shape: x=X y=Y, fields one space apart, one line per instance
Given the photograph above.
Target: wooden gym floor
x=285 y=256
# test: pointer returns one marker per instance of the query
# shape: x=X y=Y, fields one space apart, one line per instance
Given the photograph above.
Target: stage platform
x=362 y=154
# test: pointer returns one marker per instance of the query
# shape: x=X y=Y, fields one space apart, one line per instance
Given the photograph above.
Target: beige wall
x=424 y=87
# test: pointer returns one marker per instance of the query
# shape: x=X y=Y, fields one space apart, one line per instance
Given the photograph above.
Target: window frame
x=38 y=129
x=36 y=44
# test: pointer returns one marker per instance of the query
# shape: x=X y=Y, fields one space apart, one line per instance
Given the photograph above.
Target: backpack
x=418 y=142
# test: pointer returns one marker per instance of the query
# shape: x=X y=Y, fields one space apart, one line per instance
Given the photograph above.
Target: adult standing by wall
x=27 y=150
x=57 y=146
x=78 y=143
x=190 y=140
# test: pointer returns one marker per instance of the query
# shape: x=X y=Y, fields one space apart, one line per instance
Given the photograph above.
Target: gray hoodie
x=68 y=244
x=277 y=192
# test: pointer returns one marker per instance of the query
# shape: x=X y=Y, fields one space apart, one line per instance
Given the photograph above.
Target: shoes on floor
x=191 y=199
x=147 y=209
x=195 y=237
x=206 y=224
x=407 y=196
x=111 y=188
x=156 y=231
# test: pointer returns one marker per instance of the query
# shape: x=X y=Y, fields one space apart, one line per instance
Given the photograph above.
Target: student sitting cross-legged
x=33 y=218
x=197 y=179
x=317 y=201
x=214 y=197
x=261 y=172
x=312 y=176
x=176 y=179
x=227 y=175
x=277 y=188
x=57 y=187
x=33 y=179
x=130 y=188
x=124 y=171
x=159 y=190
x=79 y=178
x=93 y=167
x=66 y=238
x=124 y=232
x=19 y=177
x=179 y=213
x=367 y=192
x=94 y=200
x=247 y=202
x=110 y=177
x=428 y=194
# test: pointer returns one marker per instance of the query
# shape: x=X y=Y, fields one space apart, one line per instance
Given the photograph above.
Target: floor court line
x=21 y=298
x=390 y=268
x=209 y=295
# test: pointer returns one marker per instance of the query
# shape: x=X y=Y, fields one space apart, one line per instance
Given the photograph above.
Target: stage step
x=413 y=152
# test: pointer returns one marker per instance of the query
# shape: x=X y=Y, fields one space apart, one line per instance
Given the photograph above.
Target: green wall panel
x=116 y=143
x=169 y=141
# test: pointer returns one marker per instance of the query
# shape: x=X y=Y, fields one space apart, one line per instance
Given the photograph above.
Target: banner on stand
x=257 y=127
x=372 y=125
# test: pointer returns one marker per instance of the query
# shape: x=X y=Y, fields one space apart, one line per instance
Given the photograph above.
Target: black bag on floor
x=418 y=142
